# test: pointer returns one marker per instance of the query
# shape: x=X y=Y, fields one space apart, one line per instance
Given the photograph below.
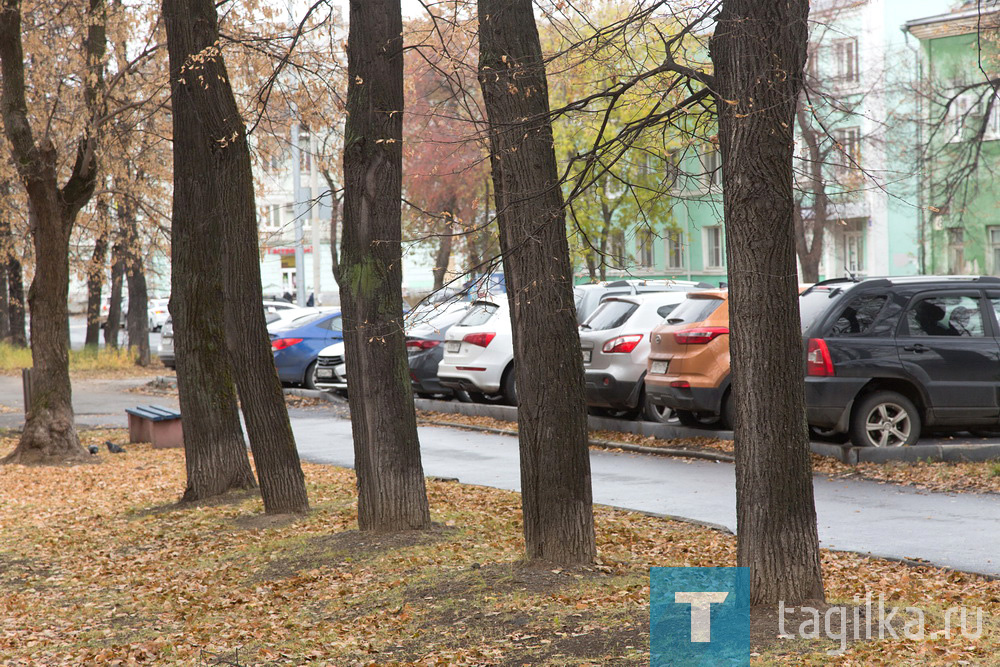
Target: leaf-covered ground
x=98 y=566
x=933 y=476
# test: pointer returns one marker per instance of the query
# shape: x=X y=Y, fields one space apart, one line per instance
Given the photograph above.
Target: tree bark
x=136 y=321
x=218 y=150
x=15 y=291
x=552 y=416
x=114 y=321
x=214 y=448
x=443 y=256
x=811 y=252
x=49 y=434
x=95 y=277
x=334 y=224
x=759 y=50
x=6 y=242
x=391 y=489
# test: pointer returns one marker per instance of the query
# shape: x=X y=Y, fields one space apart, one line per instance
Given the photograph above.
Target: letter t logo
x=701 y=616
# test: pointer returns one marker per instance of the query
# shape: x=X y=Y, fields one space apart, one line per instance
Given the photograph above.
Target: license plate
x=586 y=356
x=659 y=367
x=324 y=372
x=453 y=346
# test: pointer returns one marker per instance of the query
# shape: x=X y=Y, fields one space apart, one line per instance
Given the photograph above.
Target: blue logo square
x=695 y=617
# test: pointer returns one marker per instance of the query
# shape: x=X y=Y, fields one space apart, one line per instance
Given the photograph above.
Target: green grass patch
x=13 y=358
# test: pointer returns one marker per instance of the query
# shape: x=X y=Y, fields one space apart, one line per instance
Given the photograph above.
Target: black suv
x=888 y=356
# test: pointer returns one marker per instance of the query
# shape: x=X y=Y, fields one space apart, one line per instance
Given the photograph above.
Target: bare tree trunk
x=5 y=252
x=114 y=321
x=335 y=202
x=49 y=434
x=443 y=256
x=15 y=302
x=214 y=448
x=137 y=322
x=759 y=50
x=220 y=152
x=95 y=284
x=811 y=252
x=391 y=489
x=555 y=460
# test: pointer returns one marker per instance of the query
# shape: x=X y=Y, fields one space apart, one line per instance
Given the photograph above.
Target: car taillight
x=282 y=343
x=700 y=335
x=622 y=344
x=417 y=344
x=480 y=339
x=818 y=361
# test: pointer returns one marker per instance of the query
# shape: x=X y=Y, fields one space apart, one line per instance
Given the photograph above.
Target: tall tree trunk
x=443 y=256
x=136 y=321
x=217 y=150
x=114 y=321
x=6 y=243
x=214 y=448
x=759 y=49
x=810 y=251
x=391 y=490
x=49 y=434
x=15 y=302
x=335 y=202
x=555 y=460
x=95 y=281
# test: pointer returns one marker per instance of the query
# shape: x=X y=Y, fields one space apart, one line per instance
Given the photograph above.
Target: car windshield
x=479 y=314
x=610 y=315
x=693 y=310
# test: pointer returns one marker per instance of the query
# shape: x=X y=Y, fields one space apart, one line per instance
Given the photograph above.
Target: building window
x=850 y=247
x=711 y=164
x=849 y=141
x=956 y=250
x=616 y=250
x=713 y=247
x=994 y=240
x=675 y=250
x=273 y=218
x=645 y=239
x=845 y=56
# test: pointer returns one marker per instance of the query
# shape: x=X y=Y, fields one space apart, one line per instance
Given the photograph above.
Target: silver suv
x=615 y=346
x=589 y=297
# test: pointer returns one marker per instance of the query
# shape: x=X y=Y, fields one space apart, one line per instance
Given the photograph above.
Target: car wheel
x=885 y=419
x=310 y=379
x=655 y=413
x=827 y=435
x=694 y=419
x=508 y=387
x=727 y=419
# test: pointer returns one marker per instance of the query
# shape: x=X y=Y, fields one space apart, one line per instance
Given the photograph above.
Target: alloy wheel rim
x=888 y=425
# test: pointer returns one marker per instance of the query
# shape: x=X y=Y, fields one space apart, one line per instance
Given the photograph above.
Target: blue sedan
x=296 y=346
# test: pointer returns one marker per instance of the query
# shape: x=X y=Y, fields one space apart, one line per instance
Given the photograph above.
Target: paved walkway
x=961 y=531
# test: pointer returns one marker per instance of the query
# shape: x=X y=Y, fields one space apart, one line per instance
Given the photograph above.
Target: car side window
x=858 y=316
x=946 y=316
x=663 y=311
x=333 y=324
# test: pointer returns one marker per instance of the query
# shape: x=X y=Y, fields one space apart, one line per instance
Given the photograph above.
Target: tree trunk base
x=47 y=440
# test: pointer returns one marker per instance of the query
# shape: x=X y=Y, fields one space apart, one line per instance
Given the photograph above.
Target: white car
x=157 y=313
x=280 y=314
x=330 y=371
x=615 y=346
x=479 y=352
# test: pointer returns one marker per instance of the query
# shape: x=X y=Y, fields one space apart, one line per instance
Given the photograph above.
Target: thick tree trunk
x=49 y=434
x=552 y=416
x=15 y=290
x=6 y=243
x=334 y=225
x=136 y=321
x=391 y=490
x=759 y=49
x=217 y=150
x=443 y=256
x=114 y=321
x=214 y=448
x=95 y=284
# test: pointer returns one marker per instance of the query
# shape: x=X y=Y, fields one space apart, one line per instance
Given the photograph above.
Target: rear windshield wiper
x=675 y=320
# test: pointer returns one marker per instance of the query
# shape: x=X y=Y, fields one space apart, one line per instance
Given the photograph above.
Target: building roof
x=968 y=18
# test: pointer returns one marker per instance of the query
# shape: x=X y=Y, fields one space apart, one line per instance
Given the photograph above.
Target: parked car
x=157 y=313
x=479 y=353
x=589 y=297
x=615 y=345
x=887 y=357
x=688 y=365
x=280 y=313
x=298 y=343
x=331 y=371
x=106 y=309
x=425 y=335
x=165 y=350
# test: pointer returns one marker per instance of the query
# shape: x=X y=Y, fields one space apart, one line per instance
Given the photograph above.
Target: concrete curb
x=843 y=453
x=315 y=393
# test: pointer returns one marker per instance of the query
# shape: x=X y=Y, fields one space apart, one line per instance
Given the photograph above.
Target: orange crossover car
x=688 y=367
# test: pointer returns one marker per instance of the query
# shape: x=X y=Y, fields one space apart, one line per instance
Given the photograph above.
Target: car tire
x=885 y=419
x=651 y=412
x=727 y=419
x=508 y=387
x=827 y=435
x=309 y=382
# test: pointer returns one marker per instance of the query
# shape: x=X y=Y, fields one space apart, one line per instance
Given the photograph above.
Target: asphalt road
x=960 y=531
